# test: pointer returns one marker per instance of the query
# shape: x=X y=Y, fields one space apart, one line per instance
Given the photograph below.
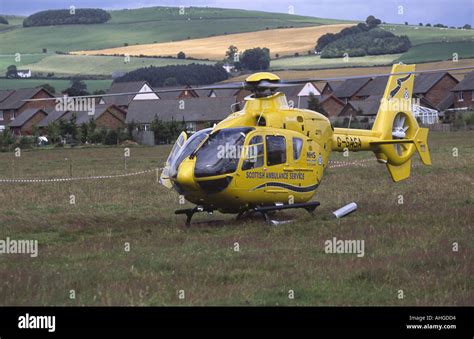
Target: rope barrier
x=79 y=178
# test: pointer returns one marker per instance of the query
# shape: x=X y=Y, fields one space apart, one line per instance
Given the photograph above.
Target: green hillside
x=428 y=44
x=67 y=65
x=146 y=25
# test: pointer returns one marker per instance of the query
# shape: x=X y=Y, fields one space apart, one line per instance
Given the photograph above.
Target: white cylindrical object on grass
x=345 y=210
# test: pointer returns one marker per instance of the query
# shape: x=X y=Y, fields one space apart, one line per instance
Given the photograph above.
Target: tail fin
x=395 y=135
x=399 y=132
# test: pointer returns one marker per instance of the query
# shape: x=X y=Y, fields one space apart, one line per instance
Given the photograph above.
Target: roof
x=22 y=118
x=52 y=116
x=350 y=87
x=447 y=102
x=333 y=84
x=467 y=84
x=375 y=87
x=81 y=116
x=15 y=99
x=196 y=109
x=294 y=91
x=86 y=116
x=5 y=93
x=368 y=106
x=123 y=87
x=418 y=110
x=425 y=81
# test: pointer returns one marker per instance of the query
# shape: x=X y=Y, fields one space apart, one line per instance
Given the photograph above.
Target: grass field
x=438 y=51
x=423 y=35
x=81 y=247
x=280 y=41
x=67 y=65
x=59 y=85
x=315 y=62
x=146 y=25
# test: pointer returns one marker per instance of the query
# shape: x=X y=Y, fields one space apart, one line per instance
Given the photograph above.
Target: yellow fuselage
x=292 y=181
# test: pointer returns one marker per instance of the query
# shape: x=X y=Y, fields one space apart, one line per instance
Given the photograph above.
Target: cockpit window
x=221 y=152
x=189 y=147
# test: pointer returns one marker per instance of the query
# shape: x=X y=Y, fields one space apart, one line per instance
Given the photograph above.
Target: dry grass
x=344 y=71
x=282 y=41
x=81 y=246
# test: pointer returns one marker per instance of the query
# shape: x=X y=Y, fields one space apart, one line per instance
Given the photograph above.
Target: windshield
x=221 y=152
x=189 y=147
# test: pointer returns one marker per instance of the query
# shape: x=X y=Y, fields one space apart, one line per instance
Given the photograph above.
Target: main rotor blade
x=230 y=85
x=263 y=84
x=303 y=81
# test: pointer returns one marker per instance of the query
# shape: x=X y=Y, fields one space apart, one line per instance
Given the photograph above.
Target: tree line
x=360 y=40
x=67 y=17
x=177 y=75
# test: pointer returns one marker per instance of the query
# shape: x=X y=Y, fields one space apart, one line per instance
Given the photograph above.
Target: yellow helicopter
x=269 y=156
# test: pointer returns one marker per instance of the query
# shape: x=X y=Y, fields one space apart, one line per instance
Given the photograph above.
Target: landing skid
x=308 y=206
x=263 y=210
x=190 y=212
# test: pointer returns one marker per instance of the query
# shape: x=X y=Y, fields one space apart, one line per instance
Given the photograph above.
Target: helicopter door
x=178 y=145
x=277 y=176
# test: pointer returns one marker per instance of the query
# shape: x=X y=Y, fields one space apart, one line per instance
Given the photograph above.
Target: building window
x=1 y=115
x=143 y=127
x=276 y=150
x=460 y=96
x=13 y=116
x=191 y=126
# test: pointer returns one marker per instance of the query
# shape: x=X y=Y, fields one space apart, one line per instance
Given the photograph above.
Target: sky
x=447 y=12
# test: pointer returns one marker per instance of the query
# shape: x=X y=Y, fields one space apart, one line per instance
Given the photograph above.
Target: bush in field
x=25 y=141
x=98 y=136
x=65 y=17
x=360 y=40
x=373 y=42
x=3 y=20
x=256 y=59
x=166 y=131
x=111 y=138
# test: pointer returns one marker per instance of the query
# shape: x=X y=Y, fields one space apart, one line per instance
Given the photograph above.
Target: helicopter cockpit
x=221 y=152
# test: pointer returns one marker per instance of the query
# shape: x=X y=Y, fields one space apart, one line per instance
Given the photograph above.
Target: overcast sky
x=448 y=12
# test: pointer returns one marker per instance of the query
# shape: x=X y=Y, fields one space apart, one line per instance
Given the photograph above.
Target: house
x=105 y=116
x=122 y=101
x=23 y=73
x=330 y=87
x=363 y=108
x=303 y=90
x=12 y=103
x=349 y=88
x=330 y=103
x=434 y=86
x=375 y=87
x=25 y=122
x=197 y=113
x=463 y=97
